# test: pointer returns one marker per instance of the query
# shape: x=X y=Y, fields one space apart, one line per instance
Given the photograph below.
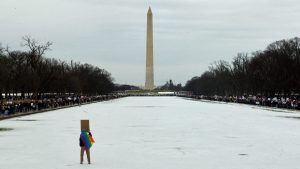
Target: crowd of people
x=291 y=102
x=15 y=105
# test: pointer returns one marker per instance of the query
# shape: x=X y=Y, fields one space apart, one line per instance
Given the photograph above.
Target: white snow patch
x=154 y=133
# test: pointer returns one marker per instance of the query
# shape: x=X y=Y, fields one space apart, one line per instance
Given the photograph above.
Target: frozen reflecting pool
x=155 y=133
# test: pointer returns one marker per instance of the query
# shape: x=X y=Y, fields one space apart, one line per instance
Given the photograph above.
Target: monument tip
x=149 y=10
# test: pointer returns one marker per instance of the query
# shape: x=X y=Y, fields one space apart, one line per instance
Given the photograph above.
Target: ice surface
x=155 y=133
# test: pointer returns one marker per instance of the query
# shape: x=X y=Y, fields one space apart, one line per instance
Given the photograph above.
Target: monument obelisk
x=149 y=84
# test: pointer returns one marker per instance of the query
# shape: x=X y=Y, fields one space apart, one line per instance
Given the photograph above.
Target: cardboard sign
x=85 y=125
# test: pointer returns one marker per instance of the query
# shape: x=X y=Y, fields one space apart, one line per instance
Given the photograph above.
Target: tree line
x=30 y=73
x=169 y=85
x=274 y=71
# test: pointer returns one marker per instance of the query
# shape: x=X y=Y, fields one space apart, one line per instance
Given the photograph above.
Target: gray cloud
x=188 y=35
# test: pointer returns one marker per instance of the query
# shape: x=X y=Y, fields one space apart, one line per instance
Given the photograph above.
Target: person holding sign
x=85 y=141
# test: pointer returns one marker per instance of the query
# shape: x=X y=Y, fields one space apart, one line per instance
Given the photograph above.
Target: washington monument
x=149 y=84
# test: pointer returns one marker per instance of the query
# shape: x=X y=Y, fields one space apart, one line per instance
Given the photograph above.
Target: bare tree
x=276 y=70
x=34 y=46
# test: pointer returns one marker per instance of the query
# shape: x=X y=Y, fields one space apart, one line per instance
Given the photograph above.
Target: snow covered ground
x=155 y=133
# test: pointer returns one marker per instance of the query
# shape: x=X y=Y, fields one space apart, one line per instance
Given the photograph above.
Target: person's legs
x=88 y=155
x=81 y=154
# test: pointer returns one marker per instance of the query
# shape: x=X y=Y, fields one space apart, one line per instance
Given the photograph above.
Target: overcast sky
x=189 y=35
